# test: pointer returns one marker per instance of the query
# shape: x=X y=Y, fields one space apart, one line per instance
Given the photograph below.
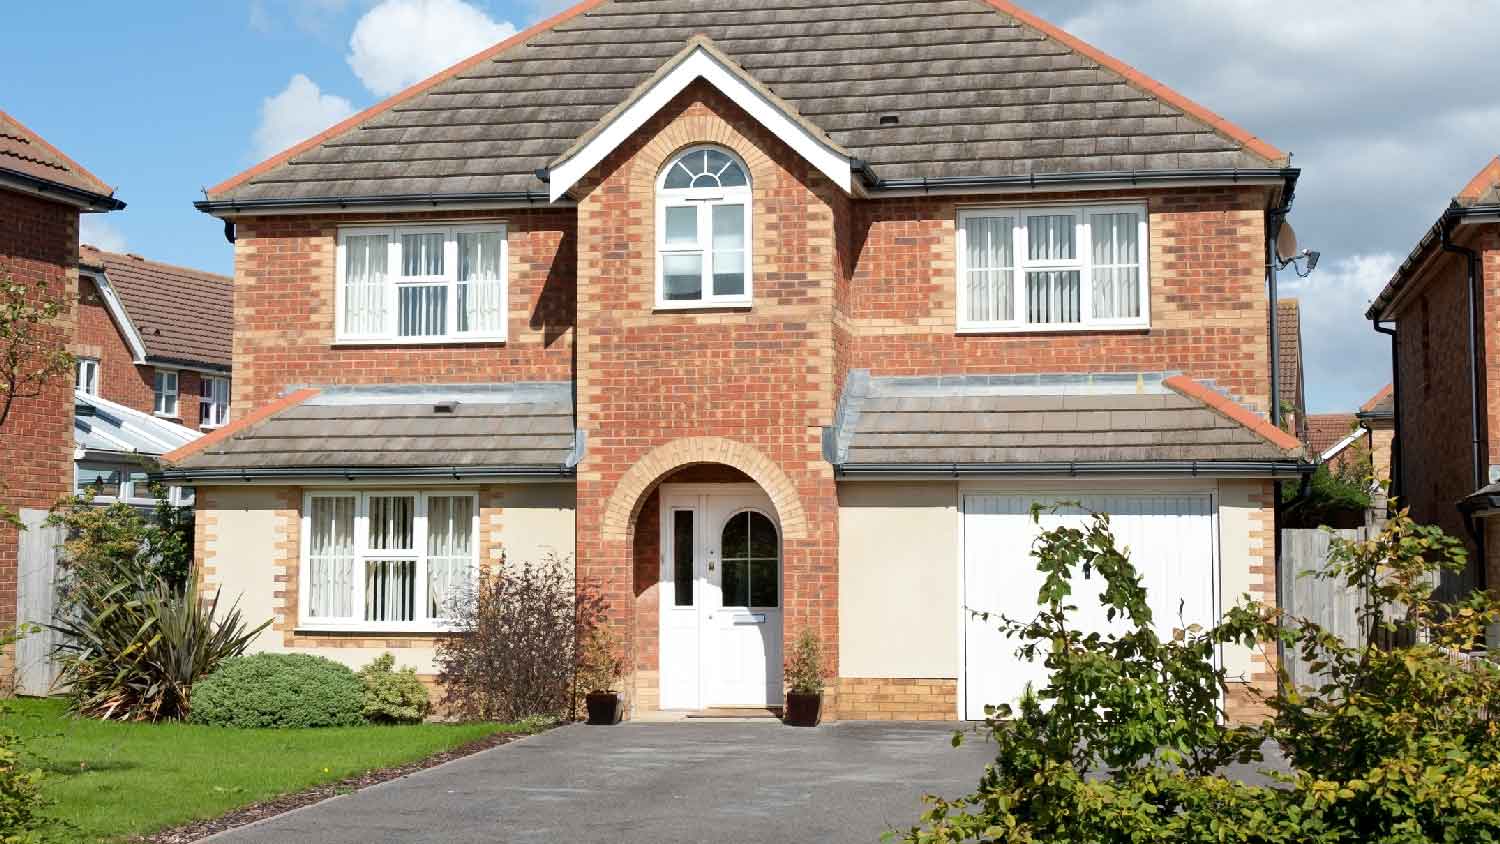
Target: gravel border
x=254 y=812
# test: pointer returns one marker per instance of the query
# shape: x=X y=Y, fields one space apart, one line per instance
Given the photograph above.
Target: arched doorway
x=721 y=597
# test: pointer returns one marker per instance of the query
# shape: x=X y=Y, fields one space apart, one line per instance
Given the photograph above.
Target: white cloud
x=97 y=230
x=1345 y=360
x=400 y=42
x=300 y=111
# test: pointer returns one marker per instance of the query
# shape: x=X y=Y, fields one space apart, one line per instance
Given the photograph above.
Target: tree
x=30 y=351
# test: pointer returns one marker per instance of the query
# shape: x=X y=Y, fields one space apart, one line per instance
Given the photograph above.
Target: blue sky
x=1386 y=105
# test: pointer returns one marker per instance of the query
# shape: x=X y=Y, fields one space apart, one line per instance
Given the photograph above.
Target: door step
x=737 y=712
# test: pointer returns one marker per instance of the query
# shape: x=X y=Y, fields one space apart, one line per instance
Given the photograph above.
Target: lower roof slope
x=977 y=87
x=443 y=431
x=1050 y=424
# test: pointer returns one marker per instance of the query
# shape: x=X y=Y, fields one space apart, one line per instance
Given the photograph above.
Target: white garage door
x=1170 y=539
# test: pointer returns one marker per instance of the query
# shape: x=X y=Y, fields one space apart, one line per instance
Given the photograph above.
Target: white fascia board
x=1341 y=445
x=700 y=64
x=117 y=311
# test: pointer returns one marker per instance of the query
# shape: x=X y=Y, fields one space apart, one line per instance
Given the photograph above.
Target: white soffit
x=1341 y=445
x=700 y=64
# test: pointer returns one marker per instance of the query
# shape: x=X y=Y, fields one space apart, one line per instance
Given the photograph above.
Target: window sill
x=420 y=341
x=1135 y=327
x=324 y=630
x=727 y=305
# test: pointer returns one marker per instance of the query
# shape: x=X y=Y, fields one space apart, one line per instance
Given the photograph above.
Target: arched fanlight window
x=751 y=560
x=703 y=230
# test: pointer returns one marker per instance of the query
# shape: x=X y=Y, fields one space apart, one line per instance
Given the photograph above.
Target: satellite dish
x=1286 y=243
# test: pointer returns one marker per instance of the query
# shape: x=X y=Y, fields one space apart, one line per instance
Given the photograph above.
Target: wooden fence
x=36 y=602
x=1330 y=603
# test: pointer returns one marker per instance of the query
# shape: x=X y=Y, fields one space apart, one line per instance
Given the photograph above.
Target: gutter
x=350 y=473
x=1037 y=180
x=1455 y=214
x=434 y=200
x=1396 y=484
x=1074 y=468
x=75 y=196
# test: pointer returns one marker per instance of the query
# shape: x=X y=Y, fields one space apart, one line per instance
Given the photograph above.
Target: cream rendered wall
x=900 y=564
x=898 y=580
x=535 y=520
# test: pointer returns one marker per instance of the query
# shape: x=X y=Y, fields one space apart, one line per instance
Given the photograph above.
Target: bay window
x=426 y=284
x=1052 y=269
x=703 y=231
x=386 y=560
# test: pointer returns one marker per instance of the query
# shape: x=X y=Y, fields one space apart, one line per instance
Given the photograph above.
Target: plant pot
x=604 y=707
x=803 y=709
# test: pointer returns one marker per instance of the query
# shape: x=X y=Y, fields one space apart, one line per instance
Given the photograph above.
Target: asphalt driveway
x=657 y=783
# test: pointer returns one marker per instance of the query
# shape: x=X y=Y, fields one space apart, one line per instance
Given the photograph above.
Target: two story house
x=766 y=319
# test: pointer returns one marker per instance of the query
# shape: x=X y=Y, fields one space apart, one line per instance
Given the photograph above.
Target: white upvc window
x=422 y=284
x=107 y=483
x=1063 y=268
x=389 y=560
x=703 y=231
x=88 y=376
x=213 y=401
x=164 y=386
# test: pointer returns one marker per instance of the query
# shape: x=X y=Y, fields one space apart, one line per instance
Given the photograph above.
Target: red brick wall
x=1208 y=294
x=1432 y=352
x=284 y=310
x=760 y=380
x=38 y=245
x=120 y=380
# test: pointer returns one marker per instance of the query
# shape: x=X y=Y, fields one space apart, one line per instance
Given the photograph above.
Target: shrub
x=599 y=667
x=511 y=655
x=279 y=690
x=133 y=651
x=391 y=696
x=107 y=546
x=1126 y=742
x=804 y=668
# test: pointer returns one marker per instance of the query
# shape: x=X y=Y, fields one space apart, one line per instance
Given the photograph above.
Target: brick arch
x=634 y=486
x=690 y=130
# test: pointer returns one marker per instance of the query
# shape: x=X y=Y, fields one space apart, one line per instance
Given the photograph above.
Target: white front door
x=1171 y=539
x=720 y=598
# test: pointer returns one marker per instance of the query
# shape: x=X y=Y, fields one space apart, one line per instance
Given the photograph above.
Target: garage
x=1171 y=538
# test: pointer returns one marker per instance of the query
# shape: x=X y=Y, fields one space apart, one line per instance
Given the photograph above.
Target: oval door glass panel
x=751 y=556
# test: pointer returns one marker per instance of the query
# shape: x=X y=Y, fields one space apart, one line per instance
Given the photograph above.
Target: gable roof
x=178 y=315
x=1484 y=188
x=1382 y=404
x=1326 y=430
x=979 y=87
x=27 y=156
x=1289 y=339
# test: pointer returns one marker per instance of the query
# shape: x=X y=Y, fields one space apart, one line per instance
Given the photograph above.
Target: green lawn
x=114 y=780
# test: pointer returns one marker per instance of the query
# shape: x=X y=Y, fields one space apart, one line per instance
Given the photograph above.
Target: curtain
x=390 y=590
x=481 y=308
x=450 y=551
x=1117 y=265
x=990 y=263
x=729 y=250
x=365 y=283
x=330 y=557
x=1052 y=296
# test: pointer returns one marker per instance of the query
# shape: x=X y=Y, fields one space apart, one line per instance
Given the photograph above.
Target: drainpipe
x=1475 y=397
x=1396 y=490
x=1274 y=219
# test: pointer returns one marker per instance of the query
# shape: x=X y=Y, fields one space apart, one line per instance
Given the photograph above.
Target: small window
x=166 y=393
x=213 y=401
x=703 y=231
x=387 y=560
x=1052 y=269
x=88 y=376
x=683 y=556
x=422 y=285
x=99 y=481
x=751 y=559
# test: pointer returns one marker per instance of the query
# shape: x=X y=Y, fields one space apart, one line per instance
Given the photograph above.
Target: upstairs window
x=423 y=284
x=164 y=388
x=213 y=401
x=1052 y=269
x=88 y=376
x=703 y=231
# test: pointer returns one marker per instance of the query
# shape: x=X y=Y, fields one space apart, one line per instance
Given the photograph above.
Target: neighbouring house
x=769 y=319
x=42 y=193
x=1378 y=416
x=155 y=337
x=1332 y=437
x=1440 y=309
x=1291 y=385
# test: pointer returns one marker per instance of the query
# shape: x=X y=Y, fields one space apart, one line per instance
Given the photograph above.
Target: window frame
x=422 y=623
x=130 y=490
x=1082 y=263
x=207 y=383
x=158 y=393
x=91 y=365
x=701 y=199
x=388 y=336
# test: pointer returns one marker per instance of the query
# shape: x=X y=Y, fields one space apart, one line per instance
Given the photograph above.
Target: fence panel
x=36 y=602
x=1330 y=603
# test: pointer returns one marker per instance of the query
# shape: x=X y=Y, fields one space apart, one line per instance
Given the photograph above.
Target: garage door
x=1170 y=539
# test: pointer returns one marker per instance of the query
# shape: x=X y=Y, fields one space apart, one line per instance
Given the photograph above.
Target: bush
x=804 y=668
x=279 y=690
x=393 y=697
x=107 y=546
x=511 y=655
x=1126 y=741
x=133 y=651
x=599 y=665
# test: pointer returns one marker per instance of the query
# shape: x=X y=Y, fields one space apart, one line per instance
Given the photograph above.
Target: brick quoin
x=38 y=246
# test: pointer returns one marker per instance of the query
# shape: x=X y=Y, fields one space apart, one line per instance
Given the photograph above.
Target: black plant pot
x=803 y=709
x=604 y=707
